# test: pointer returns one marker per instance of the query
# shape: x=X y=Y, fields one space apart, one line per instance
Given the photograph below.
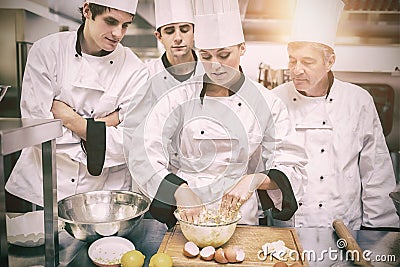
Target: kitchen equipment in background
x=271 y=78
x=3 y=90
x=92 y=215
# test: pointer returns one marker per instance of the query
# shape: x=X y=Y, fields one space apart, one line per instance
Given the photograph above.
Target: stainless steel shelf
x=16 y=134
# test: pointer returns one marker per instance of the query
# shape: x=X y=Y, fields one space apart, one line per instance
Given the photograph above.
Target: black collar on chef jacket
x=78 y=47
x=168 y=65
x=331 y=78
x=232 y=90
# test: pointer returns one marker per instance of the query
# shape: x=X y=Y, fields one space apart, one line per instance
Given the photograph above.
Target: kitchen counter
x=319 y=246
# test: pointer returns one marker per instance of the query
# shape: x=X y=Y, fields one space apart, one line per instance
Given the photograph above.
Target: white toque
x=316 y=21
x=218 y=24
x=173 y=11
x=123 y=5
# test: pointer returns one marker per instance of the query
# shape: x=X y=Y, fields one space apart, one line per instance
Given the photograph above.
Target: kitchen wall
x=348 y=58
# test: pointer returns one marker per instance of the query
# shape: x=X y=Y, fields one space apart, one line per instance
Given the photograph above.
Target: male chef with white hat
x=87 y=79
x=174 y=29
x=349 y=169
x=227 y=130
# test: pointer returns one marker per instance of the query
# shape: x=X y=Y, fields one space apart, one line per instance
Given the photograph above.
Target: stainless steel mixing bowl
x=90 y=216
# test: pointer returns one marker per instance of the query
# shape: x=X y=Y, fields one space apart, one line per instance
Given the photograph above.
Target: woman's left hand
x=241 y=192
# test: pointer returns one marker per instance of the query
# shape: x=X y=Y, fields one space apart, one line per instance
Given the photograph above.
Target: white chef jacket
x=160 y=82
x=94 y=87
x=219 y=139
x=349 y=169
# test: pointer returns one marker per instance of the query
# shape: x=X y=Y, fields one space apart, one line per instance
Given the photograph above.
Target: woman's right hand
x=189 y=204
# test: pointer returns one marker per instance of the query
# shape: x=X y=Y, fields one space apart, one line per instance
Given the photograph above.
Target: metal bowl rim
x=106 y=191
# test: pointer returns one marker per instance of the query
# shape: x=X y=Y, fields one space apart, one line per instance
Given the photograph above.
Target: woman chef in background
x=232 y=135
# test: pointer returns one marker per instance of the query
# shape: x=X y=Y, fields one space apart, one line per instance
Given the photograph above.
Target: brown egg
x=280 y=264
x=191 y=250
x=234 y=254
x=240 y=255
x=207 y=253
x=219 y=256
x=296 y=264
x=230 y=254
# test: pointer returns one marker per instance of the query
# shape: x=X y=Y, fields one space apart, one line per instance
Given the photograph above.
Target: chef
x=87 y=79
x=349 y=169
x=233 y=136
x=175 y=31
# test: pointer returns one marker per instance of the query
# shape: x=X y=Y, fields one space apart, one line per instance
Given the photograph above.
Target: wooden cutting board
x=250 y=238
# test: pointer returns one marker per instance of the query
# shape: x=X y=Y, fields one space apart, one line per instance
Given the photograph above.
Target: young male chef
x=175 y=31
x=87 y=79
x=350 y=174
x=231 y=134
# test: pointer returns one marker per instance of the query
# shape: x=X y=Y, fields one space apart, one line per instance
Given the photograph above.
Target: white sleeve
x=148 y=157
x=136 y=98
x=377 y=175
x=288 y=151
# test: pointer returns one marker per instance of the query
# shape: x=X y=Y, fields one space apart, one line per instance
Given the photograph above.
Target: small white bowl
x=107 y=251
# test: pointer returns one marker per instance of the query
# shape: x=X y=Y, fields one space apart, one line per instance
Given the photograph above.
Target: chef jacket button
x=73 y=180
x=202 y=132
x=74 y=110
x=294 y=99
x=322 y=150
x=330 y=99
x=91 y=111
x=322 y=177
x=323 y=123
x=165 y=77
x=76 y=55
x=300 y=203
x=320 y=205
x=111 y=62
x=239 y=104
x=176 y=154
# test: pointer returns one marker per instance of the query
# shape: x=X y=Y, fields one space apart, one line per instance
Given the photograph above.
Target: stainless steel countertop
x=148 y=235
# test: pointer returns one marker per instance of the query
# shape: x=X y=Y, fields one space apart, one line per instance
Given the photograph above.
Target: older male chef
x=87 y=79
x=349 y=171
x=227 y=128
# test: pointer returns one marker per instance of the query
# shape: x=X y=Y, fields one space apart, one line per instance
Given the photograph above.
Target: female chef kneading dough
x=232 y=135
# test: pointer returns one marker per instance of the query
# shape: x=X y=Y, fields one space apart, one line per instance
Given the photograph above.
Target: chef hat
x=218 y=24
x=173 y=11
x=316 y=21
x=123 y=5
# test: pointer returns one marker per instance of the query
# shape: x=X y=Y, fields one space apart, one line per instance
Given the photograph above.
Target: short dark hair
x=95 y=9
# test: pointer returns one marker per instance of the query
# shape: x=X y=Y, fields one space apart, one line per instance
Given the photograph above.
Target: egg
x=296 y=264
x=219 y=256
x=230 y=254
x=190 y=250
x=280 y=264
x=234 y=254
x=207 y=253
